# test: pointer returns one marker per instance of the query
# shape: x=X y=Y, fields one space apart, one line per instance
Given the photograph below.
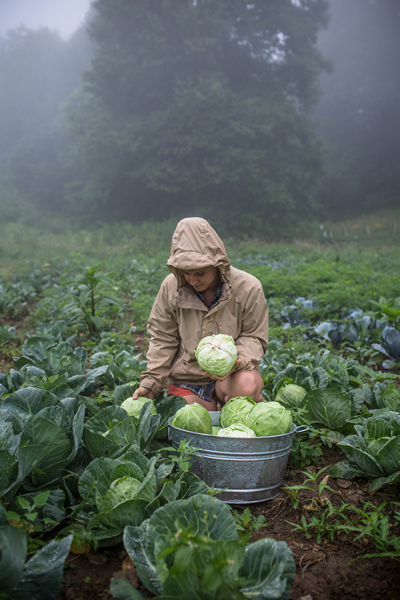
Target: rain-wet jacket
x=179 y=319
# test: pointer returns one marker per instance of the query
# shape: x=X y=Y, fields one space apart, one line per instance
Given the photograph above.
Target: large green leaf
x=96 y=478
x=37 y=347
x=346 y=470
x=123 y=433
x=148 y=488
x=169 y=493
x=98 y=445
x=12 y=557
x=191 y=485
x=366 y=462
x=129 y=512
x=7 y=466
x=381 y=481
x=58 y=416
x=391 y=398
x=136 y=456
x=106 y=418
x=135 y=541
x=330 y=407
x=357 y=400
x=167 y=408
x=107 y=537
x=377 y=428
x=270 y=568
x=163 y=470
x=178 y=488
x=28 y=401
x=29 y=457
x=148 y=425
x=41 y=579
x=109 y=431
x=78 y=383
x=389 y=456
x=321 y=378
x=8 y=441
x=41 y=431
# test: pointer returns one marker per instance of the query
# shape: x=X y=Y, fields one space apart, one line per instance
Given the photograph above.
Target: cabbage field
x=94 y=503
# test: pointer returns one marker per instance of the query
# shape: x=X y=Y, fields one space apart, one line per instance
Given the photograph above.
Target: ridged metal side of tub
x=247 y=469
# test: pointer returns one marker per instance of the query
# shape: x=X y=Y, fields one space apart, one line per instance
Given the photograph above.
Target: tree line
x=160 y=108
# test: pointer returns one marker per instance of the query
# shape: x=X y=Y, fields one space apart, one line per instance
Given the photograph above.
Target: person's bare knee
x=192 y=398
x=247 y=382
x=241 y=383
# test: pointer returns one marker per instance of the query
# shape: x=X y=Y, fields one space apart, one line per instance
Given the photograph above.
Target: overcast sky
x=63 y=15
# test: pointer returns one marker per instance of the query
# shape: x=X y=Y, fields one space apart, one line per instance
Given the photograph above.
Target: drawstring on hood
x=196 y=245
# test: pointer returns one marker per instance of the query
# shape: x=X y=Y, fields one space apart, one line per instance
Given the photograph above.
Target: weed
x=90 y=305
x=373 y=523
x=181 y=456
x=29 y=520
x=246 y=524
x=304 y=452
x=316 y=488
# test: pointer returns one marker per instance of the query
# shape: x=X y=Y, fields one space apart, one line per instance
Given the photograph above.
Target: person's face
x=202 y=279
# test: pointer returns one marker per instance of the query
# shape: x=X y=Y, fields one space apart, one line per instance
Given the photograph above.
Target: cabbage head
x=193 y=417
x=216 y=354
x=133 y=407
x=236 y=410
x=121 y=490
x=291 y=395
x=236 y=430
x=215 y=430
x=269 y=418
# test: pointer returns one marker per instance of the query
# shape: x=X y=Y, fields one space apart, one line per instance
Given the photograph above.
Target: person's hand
x=217 y=378
x=142 y=392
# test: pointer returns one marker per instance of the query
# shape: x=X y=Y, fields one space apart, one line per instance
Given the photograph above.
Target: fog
x=232 y=128
x=65 y=16
x=358 y=112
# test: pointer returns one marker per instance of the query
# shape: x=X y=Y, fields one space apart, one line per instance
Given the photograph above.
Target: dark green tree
x=359 y=112
x=201 y=107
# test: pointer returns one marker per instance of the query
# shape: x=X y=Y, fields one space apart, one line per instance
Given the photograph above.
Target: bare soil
x=324 y=571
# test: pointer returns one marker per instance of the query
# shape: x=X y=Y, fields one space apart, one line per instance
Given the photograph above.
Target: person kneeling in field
x=203 y=296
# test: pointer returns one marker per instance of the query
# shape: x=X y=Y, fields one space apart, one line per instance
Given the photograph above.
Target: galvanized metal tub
x=246 y=469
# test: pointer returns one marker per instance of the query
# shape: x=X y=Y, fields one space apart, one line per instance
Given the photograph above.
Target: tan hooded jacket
x=179 y=319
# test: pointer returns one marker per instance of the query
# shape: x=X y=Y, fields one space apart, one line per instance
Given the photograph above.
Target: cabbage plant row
x=72 y=460
x=60 y=443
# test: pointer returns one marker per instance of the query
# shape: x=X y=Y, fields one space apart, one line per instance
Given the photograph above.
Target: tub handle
x=302 y=429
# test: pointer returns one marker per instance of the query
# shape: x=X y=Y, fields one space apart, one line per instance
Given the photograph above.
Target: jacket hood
x=195 y=244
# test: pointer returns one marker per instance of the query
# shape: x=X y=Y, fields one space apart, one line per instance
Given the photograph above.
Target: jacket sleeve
x=253 y=340
x=164 y=341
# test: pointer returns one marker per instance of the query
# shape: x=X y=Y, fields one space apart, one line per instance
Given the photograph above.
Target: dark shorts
x=205 y=392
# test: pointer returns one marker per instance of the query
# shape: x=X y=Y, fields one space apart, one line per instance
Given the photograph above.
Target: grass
x=50 y=239
x=339 y=276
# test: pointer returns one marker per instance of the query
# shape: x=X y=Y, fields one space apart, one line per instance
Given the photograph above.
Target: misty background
x=256 y=116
